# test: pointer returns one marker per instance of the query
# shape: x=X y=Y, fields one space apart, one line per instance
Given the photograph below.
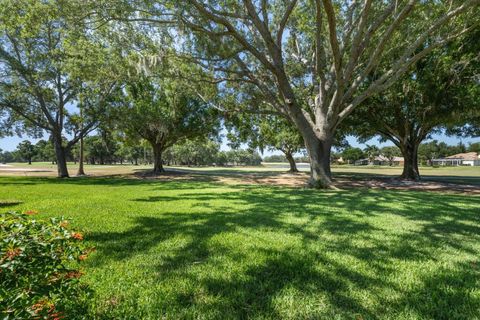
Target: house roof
x=381 y=158
x=464 y=156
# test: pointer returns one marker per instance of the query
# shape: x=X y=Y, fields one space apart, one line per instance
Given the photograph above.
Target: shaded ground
x=342 y=180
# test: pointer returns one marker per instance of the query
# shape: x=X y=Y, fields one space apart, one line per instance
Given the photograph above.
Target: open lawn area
x=192 y=248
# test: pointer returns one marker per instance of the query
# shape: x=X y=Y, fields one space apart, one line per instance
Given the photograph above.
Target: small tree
x=266 y=131
x=26 y=150
x=281 y=135
x=165 y=112
x=390 y=153
x=352 y=154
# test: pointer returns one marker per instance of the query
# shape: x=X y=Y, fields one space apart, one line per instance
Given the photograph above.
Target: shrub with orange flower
x=12 y=253
x=55 y=250
x=46 y=309
x=57 y=316
x=40 y=305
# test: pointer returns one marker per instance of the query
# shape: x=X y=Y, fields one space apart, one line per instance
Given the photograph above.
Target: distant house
x=380 y=161
x=460 y=159
x=361 y=162
x=398 y=161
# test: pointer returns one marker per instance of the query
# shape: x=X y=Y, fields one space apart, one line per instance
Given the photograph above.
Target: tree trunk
x=318 y=142
x=30 y=161
x=410 y=165
x=157 y=157
x=291 y=161
x=60 y=156
x=81 y=171
x=319 y=154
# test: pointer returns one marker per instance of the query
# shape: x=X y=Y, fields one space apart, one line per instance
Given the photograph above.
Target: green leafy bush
x=39 y=276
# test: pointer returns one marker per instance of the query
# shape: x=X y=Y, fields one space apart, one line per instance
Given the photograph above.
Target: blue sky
x=10 y=143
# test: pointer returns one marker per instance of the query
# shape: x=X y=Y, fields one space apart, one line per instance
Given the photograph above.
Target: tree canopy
x=46 y=62
x=310 y=60
x=172 y=68
x=165 y=112
x=440 y=92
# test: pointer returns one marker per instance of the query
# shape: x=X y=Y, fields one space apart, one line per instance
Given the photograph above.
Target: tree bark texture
x=410 y=165
x=291 y=161
x=81 y=171
x=60 y=156
x=157 y=157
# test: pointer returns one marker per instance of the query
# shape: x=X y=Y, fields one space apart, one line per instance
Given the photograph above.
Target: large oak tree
x=164 y=111
x=324 y=50
x=442 y=91
x=46 y=60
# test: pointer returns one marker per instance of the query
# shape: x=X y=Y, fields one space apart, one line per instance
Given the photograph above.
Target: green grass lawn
x=201 y=250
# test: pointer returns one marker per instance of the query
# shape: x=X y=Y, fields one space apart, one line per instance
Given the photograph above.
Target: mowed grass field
x=193 y=249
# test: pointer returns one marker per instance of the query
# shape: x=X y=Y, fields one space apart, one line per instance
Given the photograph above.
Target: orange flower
x=64 y=223
x=41 y=305
x=31 y=212
x=12 y=253
x=37 y=307
x=82 y=257
x=77 y=236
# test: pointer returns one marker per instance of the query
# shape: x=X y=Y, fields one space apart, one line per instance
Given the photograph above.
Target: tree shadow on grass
x=448 y=178
x=291 y=244
x=453 y=179
x=9 y=203
x=447 y=294
x=112 y=181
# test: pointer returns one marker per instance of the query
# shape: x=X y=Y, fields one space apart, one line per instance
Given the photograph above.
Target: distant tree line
x=282 y=158
x=104 y=148
x=206 y=153
x=42 y=151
